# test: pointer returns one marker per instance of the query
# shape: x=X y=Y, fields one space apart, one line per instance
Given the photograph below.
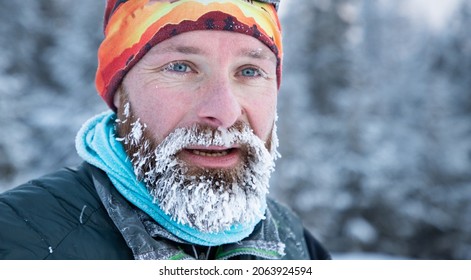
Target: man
x=179 y=167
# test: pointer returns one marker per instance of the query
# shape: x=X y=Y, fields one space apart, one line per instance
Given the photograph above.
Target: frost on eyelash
x=171 y=67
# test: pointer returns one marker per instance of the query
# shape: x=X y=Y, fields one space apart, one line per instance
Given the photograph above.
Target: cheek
x=161 y=114
x=262 y=116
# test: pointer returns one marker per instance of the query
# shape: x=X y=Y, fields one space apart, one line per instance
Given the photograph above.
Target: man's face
x=214 y=78
x=221 y=88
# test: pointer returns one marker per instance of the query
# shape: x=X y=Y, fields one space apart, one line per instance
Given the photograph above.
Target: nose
x=219 y=106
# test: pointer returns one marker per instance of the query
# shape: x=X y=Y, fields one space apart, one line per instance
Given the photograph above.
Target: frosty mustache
x=165 y=155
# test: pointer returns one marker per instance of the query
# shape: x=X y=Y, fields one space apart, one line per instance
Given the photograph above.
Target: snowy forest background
x=375 y=115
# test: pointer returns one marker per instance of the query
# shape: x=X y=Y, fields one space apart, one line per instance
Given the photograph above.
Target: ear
x=117 y=98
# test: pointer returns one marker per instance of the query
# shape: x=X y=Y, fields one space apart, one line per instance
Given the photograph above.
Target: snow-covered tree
x=387 y=169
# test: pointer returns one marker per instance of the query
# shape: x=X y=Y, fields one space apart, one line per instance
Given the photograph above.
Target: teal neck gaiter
x=96 y=143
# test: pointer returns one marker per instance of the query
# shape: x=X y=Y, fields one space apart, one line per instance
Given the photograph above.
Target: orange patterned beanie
x=133 y=27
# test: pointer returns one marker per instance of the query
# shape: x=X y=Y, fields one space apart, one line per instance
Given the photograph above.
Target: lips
x=210 y=153
x=211 y=157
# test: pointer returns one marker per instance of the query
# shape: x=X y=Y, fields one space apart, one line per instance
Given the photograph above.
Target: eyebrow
x=257 y=54
x=182 y=49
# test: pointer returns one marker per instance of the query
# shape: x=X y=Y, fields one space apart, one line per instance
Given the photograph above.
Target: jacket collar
x=148 y=240
x=264 y=242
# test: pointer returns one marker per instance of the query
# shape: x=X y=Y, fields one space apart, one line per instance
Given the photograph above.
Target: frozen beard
x=208 y=199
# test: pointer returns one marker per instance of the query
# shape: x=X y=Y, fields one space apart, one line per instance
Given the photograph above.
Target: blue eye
x=250 y=72
x=178 y=67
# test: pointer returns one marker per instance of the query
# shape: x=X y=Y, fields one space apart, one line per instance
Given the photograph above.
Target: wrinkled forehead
x=192 y=43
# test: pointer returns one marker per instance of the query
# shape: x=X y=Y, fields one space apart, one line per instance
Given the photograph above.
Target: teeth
x=210 y=154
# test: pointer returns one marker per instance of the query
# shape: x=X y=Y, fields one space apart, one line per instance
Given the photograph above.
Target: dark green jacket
x=63 y=216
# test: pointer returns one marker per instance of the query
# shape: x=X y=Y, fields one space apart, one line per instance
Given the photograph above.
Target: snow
x=435 y=14
x=361 y=230
x=366 y=256
x=82 y=213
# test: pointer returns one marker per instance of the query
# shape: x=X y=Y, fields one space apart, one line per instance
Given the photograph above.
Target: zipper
x=202 y=255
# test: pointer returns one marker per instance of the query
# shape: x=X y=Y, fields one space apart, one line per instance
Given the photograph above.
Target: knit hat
x=133 y=27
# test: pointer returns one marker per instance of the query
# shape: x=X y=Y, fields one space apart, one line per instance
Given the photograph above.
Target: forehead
x=205 y=42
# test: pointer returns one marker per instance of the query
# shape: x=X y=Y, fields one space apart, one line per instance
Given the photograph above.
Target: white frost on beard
x=205 y=202
x=275 y=142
